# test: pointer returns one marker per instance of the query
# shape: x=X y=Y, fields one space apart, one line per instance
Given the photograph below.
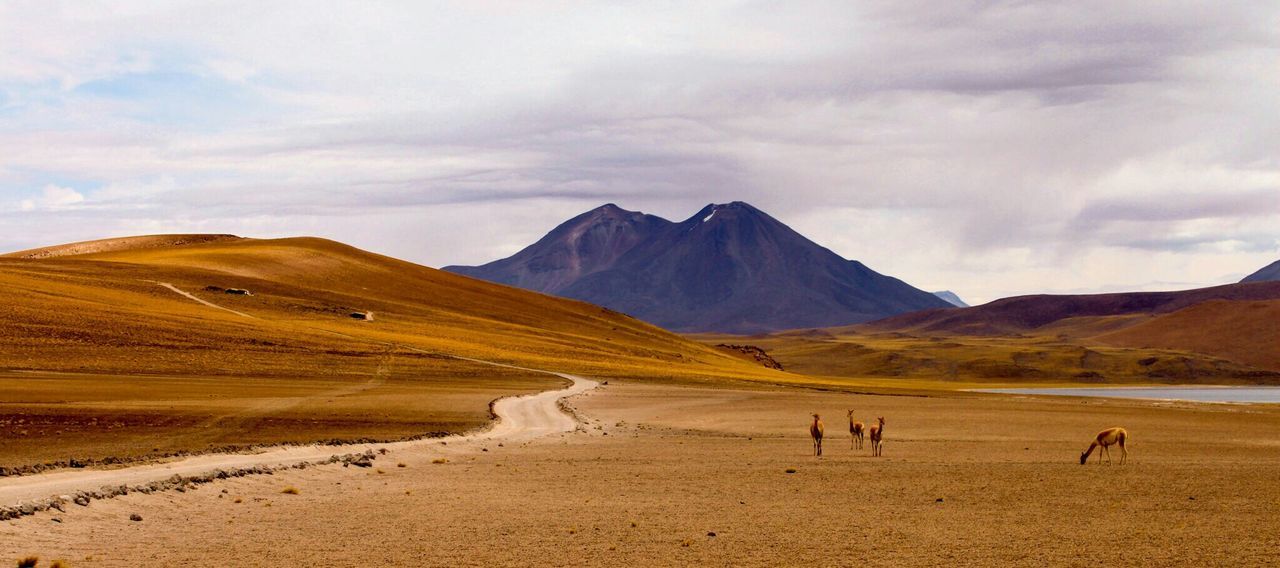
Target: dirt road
x=519 y=419
x=207 y=303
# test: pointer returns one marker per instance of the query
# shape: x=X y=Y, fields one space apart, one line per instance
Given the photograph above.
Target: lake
x=1194 y=394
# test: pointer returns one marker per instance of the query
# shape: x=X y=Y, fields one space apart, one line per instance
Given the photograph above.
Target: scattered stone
x=135 y=518
x=791 y=470
x=712 y=533
x=938 y=500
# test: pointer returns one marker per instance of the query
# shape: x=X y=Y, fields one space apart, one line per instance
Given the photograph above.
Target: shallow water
x=1194 y=394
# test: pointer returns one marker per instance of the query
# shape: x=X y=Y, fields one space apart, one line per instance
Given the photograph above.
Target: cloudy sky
x=991 y=148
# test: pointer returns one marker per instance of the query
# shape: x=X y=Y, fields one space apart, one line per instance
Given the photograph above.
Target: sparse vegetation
x=28 y=562
x=125 y=337
x=290 y=490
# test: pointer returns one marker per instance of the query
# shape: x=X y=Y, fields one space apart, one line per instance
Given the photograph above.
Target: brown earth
x=967 y=479
x=53 y=418
x=126 y=347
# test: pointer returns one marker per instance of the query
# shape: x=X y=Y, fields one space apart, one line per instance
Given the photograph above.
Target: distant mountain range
x=1268 y=273
x=951 y=298
x=729 y=268
x=1239 y=322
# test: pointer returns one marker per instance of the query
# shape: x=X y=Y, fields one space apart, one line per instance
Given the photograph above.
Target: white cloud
x=987 y=148
x=53 y=198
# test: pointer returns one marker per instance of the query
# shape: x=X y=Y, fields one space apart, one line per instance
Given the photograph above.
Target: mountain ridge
x=729 y=267
x=1268 y=273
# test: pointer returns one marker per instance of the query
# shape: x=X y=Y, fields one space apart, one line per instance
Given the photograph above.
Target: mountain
x=583 y=245
x=728 y=268
x=951 y=298
x=1268 y=273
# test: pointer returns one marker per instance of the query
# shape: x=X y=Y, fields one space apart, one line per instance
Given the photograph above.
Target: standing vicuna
x=877 y=434
x=855 y=430
x=1106 y=439
x=815 y=430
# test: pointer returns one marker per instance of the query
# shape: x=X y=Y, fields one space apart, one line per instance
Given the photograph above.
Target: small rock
x=56 y=519
x=711 y=533
x=938 y=500
x=135 y=518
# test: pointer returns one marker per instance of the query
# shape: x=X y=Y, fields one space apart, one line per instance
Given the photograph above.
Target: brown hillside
x=119 y=244
x=1248 y=332
x=99 y=359
x=306 y=289
x=1025 y=314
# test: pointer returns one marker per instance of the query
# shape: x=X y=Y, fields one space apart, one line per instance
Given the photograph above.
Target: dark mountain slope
x=582 y=245
x=1268 y=273
x=729 y=268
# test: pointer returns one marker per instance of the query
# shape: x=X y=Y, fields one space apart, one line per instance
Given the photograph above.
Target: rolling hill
x=133 y=348
x=1221 y=334
x=728 y=268
x=305 y=289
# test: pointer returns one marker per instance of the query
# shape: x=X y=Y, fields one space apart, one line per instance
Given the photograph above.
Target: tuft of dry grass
x=439 y=461
x=28 y=562
x=59 y=564
x=401 y=464
x=290 y=490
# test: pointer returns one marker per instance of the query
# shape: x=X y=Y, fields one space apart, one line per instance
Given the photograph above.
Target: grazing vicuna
x=816 y=430
x=1106 y=439
x=877 y=434
x=855 y=431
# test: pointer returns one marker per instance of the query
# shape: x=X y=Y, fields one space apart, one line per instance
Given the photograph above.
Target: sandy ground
x=966 y=479
x=520 y=419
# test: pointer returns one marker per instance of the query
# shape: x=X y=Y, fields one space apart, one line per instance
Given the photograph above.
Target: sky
x=990 y=148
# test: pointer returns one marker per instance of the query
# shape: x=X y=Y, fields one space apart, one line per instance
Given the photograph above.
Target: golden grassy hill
x=99 y=359
x=104 y=309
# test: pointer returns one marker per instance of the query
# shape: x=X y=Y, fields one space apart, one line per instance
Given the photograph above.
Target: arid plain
x=688 y=455
x=965 y=480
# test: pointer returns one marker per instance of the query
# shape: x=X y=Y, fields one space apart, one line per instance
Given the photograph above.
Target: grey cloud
x=989 y=126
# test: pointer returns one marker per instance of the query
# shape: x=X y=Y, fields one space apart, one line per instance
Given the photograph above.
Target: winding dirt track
x=520 y=419
x=190 y=296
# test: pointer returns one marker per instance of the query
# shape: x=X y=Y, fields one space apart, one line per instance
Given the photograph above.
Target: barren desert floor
x=665 y=475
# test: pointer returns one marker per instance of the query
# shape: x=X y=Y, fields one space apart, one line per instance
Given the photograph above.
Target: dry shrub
x=28 y=562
